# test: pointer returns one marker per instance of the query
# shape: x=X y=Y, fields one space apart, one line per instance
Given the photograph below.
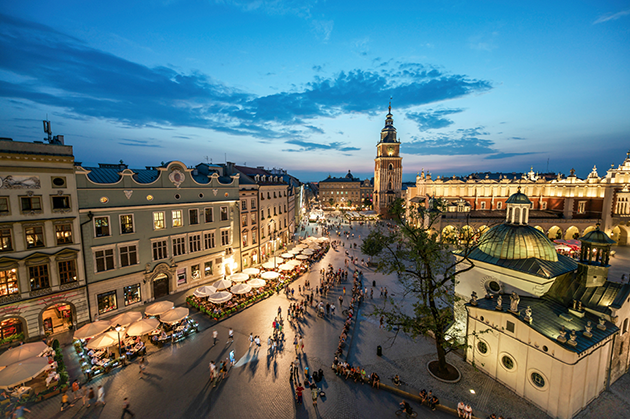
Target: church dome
x=597 y=237
x=518 y=198
x=512 y=241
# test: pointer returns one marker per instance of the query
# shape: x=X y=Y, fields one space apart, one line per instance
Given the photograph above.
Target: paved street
x=176 y=384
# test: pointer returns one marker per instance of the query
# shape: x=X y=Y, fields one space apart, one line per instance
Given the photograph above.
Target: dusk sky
x=304 y=85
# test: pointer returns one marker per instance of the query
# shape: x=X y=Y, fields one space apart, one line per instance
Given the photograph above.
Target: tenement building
x=42 y=278
x=562 y=208
x=387 y=168
x=345 y=192
x=155 y=231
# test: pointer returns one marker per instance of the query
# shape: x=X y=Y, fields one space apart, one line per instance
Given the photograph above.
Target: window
x=128 y=255
x=544 y=205
x=483 y=205
x=482 y=347
x=225 y=237
x=101 y=226
x=224 y=213
x=195 y=272
x=285 y=207
x=126 y=224
x=178 y=218
x=494 y=286
x=274 y=194
x=509 y=326
x=207 y=268
x=107 y=302
x=104 y=260
x=209 y=215
x=38 y=277
x=499 y=204
x=621 y=348
x=4 y=205
x=253 y=236
x=244 y=235
x=208 y=239
x=253 y=203
x=67 y=271
x=6 y=243
x=179 y=246
x=63 y=232
x=507 y=362
x=9 y=282
x=158 y=220
x=243 y=205
x=274 y=211
x=244 y=220
x=11 y=329
x=34 y=236
x=132 y=294
x=194 y=243
x=160 y=250
x=268 y=195
x=60 y=202
x=625 y=326
x=31 y=203
x=581 y=207
x=538 y=380
x=253 y=218
x=193 y=216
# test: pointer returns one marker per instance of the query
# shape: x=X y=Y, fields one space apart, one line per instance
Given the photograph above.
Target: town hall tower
x=387 y=168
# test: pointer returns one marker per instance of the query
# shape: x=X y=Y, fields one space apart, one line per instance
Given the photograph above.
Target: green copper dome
x=510 y=241
x=518 y=198
x=597 y=237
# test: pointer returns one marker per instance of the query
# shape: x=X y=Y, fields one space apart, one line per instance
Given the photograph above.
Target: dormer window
x=257 y=178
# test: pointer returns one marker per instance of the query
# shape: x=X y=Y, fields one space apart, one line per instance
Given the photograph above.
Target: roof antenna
x=390 y=104
x=48 y=129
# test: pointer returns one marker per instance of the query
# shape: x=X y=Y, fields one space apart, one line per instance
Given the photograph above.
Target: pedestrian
x=215 y=335
x=76 y=390
x=314 y=393
x=371 y=293
x=332 y=309
x=273 y=346
x=385 y=292
x=230 y=336
x=251 y=339
x=19 y=412
x=90 y=396
x=64 y=400
x=126 y=409
x=100 y=396
x=257 y=340
x=279 y=311
x=340 y=301
x=141 y=367
x=381 y=322
x=213 y=369
x=295 y=343
x=298 y=393
x=232 y=358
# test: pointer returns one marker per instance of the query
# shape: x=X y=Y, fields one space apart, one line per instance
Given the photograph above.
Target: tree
x=331 y=201
x=367 y=202
x=427 y=269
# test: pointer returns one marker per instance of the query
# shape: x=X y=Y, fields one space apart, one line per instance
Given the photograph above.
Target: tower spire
x=390 y=104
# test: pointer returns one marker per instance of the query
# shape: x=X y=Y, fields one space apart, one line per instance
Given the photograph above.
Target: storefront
x=11 y=329
x=57 y=318
x=160 y=286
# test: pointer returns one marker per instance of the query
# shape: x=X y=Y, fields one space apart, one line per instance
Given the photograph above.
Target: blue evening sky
x=304 y=85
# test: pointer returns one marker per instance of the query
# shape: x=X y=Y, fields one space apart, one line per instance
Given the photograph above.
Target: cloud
x=611 y=16
x=506 y=155
x=433 y=119
x=300 y=8
x=61 y=71
x=311 y=146
x=517 y=138
x=459 y=142
x=138 y=143
x=318 y=68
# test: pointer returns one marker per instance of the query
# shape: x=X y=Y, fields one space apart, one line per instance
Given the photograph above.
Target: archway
x=539 y=228
x=572 y=233
x=466 y=233
x=12 y=329
x=161 y=285
x=482 y=229
x=554 y=233
x=57 y=318
x=588 y=230
x=620 y=235
x=449 y=233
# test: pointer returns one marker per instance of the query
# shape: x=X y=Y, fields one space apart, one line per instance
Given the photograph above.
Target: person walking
x=126 y=409
x=257 y=340
x=280 y=311
x=76 y=390
x=251 y=339
x=100 y=396
x=141 y=367
x=19 y=412
x=215 y=335
x=213 y=369
x=64 y=400
x=91 y=396
x=230 y=336
x=232 y=358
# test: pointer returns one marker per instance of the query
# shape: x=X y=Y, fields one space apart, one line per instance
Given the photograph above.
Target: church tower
x=387 y=168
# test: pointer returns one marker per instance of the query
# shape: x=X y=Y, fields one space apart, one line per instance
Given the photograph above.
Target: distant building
x=387 y=168
x=151 y=232
x=347 y=191
x=562 y=208
x=42 y=278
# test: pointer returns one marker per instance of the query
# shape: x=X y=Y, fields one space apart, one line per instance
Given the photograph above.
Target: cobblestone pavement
x=176 y=383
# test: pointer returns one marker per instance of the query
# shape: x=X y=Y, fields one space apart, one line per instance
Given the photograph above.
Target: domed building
x=550 y=328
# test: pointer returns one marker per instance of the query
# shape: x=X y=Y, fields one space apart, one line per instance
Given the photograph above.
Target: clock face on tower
x=390 y=151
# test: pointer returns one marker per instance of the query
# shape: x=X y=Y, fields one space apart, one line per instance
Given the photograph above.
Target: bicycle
x=409 y=415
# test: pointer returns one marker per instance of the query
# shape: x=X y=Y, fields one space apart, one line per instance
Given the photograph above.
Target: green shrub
x=55 y=345
x=63 y=378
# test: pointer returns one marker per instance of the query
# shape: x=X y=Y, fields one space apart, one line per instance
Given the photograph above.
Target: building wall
x=250 y=225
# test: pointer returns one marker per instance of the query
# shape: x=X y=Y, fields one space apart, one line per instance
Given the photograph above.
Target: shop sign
x=181 y=276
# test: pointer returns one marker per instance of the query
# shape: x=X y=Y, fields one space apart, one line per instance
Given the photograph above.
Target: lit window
x=126 y=224
x=34 y=237
x=6 y=244
x=178 y=220
x=132 y=294
x=158 y=220
x=67 y=271
x=9 y=282
x=207 y=268
x=101 y=226
x=63 y=232
x=38 y=277
x=107 y=302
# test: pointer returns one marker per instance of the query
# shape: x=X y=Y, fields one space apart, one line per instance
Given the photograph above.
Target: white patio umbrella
x=125 y=319
x=92 y=329
x=293 y=262
x=269 y=275
x=22 y=371
x=285 y=267
x=314 y=246
x=241 y=289
x=294 y=251
x=307 y=252
x=301 y=246
x=301 y=257
x=323 y=239
x=204 y=291
x=220 y=297
x=22 y=352
x=287 y=255
x=104 y=341
x=256 y=283
x=174 y=315
x=142 y=327
x=240 y=277
x=270 y=265
x=222 y=284
x=278 y=260
x=251 y=271
x=158 y=308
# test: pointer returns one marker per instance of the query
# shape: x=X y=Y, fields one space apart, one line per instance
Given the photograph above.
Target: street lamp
x=118 y=329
